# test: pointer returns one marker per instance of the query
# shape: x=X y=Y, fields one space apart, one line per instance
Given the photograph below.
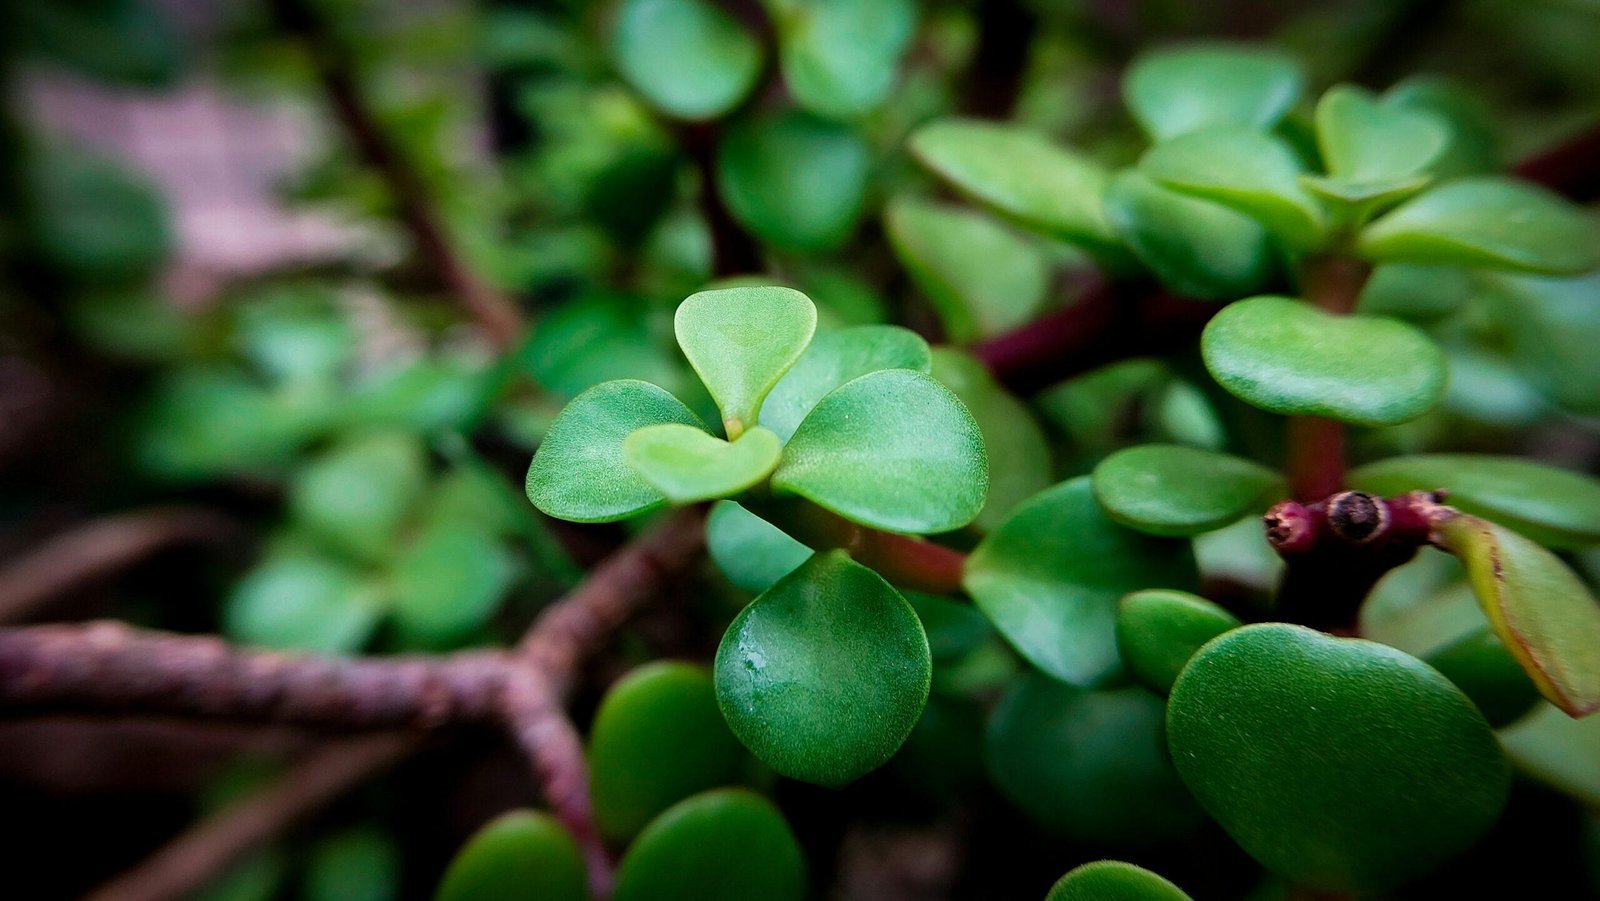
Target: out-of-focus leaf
x=94 y=221
x=1249 y=171
x=1159 y=630
x=797 y=181
x=129 y=42
x=356 y=495
x=1019 y=455
x=1171 y=92
x=722 y=845
x=523 y=855
x=687 y=57
x=1195 y=247
x=598 y=339
x=449 y=582
x=1415 y=293
x=1167 y=489
x=359 y=864
x=303 y=602
x=839 y=56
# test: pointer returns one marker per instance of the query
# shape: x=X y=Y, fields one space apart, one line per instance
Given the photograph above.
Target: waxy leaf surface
x=687 y=465
x=1487 y=222
x=722 y=845
x=833 y=358
x=1158 y=630
x=1113 y=880
x=1195 y=247
x=1172 y=490
x=524 y=855
x=741 y=341
x=1249 y=171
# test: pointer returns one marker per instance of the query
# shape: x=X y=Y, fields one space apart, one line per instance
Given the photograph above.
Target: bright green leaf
x=579 y=473
x=741 y=341
x=892 y=449
x=687 y=57
x=687 y=465
x=723 y=845
x=839 y=56
x=797 y=181
x=1249 y=171
x=1365 y=141
x=1545 y=615
x=1473 y=146
x=1113 y=880
x=753 y=553
x=1019 y=455
x=833 y=358
x=524 y=855
x=450 y=581
x=1487 y=222
x=1555 y=507
x=1195 y=247
x=1172 y=92
x=1159 y=630
x=1289 y=357
x=1168 y=489
x=1050 y=577
x=297 y=601
x=823 y=676
x=1270 y=722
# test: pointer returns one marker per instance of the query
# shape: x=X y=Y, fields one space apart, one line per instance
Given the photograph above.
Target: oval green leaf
x=356 y=495
x=1089 y=765
x=1113 y=880
x=981 y=277
x=1545 y=615
x=797 y=181
x=722 y=845
x=450 y=582
x=839 y=56
x=524 y=855
x=688 y=58
x=1019 y=174
x=1051 y=576
x=1172 y=92
x=1196 y=248
x=1159 y=630
x=833 y=358
x=1555 y=507
x=753 y=553
x=1246 y=170
x=1171 y=490
x=579 y=474
x=657 y=738
x=1289 y=357
x=1341 y=764
x=741 y=341
x=687 y=465
x=894 y=450
x=825 y=674
x=1019 y=455
x=1490 y=223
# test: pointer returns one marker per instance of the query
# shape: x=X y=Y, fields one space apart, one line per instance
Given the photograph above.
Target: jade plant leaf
x=797 y=181
x=356 y=864
x=1555 y=507
x=839 y=56
x=1490 y=223
x=1545 y=615
x=753 y=553
x=657 y=738
x=825 y=674
x=1049 y=578
x=524 y=855
x=1487 y=672
x=1289 y=357
x=356 y=495
x=688 y=58
x=1173 y=92
x=687 y=465
x=894 y=450
x=1113 y=880
x=1168 y=489
x=1019 y=174
x=1089 y=765
x=1019 y=455
x=1159 y=630
x=1552 y=326
x=833 y=358
x=1473 y=147
x=450 y=581
x=723 y=845
x=579 y=473
x=300 y=601
x=1249 y=171
x=1415 y=293
x=981 y=277
x=1195 y=247
x=1373 y=148
x=1269 y=723
x=741 y=341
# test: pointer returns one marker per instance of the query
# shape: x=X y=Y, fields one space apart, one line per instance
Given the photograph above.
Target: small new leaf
x=687 y=465
x=741 y=341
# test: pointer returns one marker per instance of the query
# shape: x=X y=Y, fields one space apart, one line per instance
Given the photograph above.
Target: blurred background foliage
x=274 y=348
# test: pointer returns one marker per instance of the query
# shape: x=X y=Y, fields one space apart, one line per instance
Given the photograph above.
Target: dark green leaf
x=94 y=221
x=1113 y=880
x=798 y=182
x=1159 y=630
x=1168 y=489
x=596 y=339
x=824 y=675
x=687 y=57
x=1196 y=247
x=1553 y=326
x=833 y=358
x=128 y=42
x=741 y=341
x=1172 y=92
x=360 y=864
x=753 y=553
x=1485 y=671
x=723 y=845
x=520 y=856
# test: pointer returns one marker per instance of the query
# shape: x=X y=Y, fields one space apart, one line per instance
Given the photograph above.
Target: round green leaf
x=202 y=423
x=596 y=339
x=524 y=855
x=1159 y=630
x=1019 y=174
x=1019 y=455
x=1545 y=615
x=1089 y=765
x=688 y=465
x=1113 y=880
x=434 y=394
x=1172 y=92
x=1246 y=170
x=579 y=473
x=741 y=341
x=1051 y=576
x=1289 y=357
x=981 y=277
x=893 y=450
x=1555 y=507
x=1195 y=247
x=833 y=358
x=797 y=181
x=1341 y=764
x=825 y=674
x=687 y=57
x=839 y=56
x=356 y=495
x=1487 y=222
x=723 y=845
x=753 y=553
x=1168 y=489
x=1473 y=147
x=657 y=738
x=450 y=582
x=297 y=601
x=1365 y=142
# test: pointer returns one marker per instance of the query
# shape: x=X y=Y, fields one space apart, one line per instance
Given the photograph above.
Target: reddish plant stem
x=909 y=562
x=1571 y=168
x=1316 y=445
x=500 y=319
